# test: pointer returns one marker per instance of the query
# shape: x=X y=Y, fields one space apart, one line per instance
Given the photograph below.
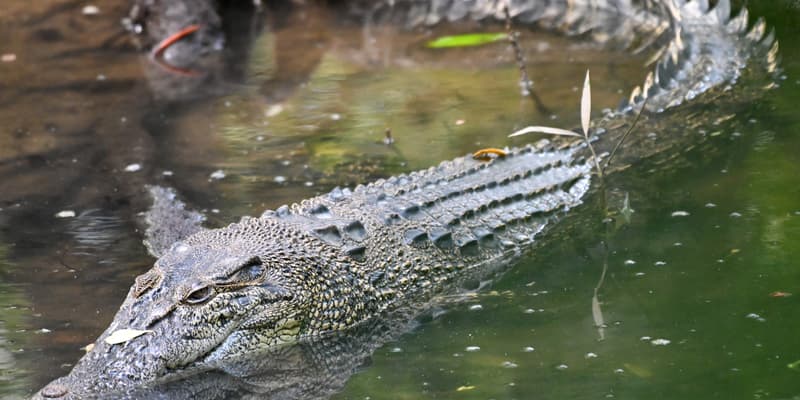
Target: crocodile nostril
x=54 y=391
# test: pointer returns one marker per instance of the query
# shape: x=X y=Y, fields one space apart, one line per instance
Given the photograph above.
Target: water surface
x=696 y=289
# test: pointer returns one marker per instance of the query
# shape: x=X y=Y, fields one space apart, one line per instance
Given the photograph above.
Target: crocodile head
x=215 y=295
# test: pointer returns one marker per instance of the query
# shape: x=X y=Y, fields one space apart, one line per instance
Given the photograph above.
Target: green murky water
x=701 y=288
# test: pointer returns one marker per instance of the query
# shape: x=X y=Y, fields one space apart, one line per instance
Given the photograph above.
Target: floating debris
x=89 y=347
x=660 y=342
x=465 y=388
x=217 y=175
x=680 y=213
x=735 y=215
x=660 y=263
x=167 y=173
x=528 y=349
x=387 y=138
x=645 y=338
x=396 y=350
x=336 y=116
x=280 y=179
x=8 y=57
x=562 y=367
x=710 y=205
x=124 y=335
x=472 y=349
x=590 y=355
x=460 y=122
x=780 y=294
x=44 y=330
x=629 y=262
x=274 y=110
x=65 y=214
x=475 y=307
x=133 y=167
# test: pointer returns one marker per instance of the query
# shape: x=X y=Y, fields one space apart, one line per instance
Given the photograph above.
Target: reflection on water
x=689 y=298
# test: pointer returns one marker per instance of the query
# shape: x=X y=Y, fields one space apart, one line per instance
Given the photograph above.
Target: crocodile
x=329 y=266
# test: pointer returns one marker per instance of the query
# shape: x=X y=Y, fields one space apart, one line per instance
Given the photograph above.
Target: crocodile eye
x=200 y=296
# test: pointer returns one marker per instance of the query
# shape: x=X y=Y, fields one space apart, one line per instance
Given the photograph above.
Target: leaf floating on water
x=638 y=370
x=795 y=365
x=124 y=335
x=780 y=294
x=586 y=104
x=464 y=388
x=466 y=40
x=544 y=129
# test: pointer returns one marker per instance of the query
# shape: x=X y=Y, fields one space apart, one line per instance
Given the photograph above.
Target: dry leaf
x=544 y=129
x=586 y=105
x=124 y=335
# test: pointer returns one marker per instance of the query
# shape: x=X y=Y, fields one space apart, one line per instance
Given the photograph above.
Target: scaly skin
x=346 y=258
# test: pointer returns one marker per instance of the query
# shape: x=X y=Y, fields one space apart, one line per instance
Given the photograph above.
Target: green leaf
x=465 y=40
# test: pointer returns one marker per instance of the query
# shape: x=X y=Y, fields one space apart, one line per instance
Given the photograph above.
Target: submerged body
x=343 y=259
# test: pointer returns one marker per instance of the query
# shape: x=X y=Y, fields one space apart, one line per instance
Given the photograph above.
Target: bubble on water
x=710 y=205
x=590 y=355
x=562 y=367
x=472 y=349
x=619 y=371
x=735 y=214
x=645 y=338
x=629 y=262
x=280 y=179
x=680 y=213
x=395 y=350
x=308 y=183
x=660 y=263
x=755 y=317
x=475 y=307
x=509 y=364
x=65 y=214
x=528 y=349
x=660 y=342
x=167 y=173
x=90 y=10
x=133 y=167
x=639 y=274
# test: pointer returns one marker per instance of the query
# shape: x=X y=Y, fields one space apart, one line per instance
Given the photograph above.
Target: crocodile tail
x=708 y=50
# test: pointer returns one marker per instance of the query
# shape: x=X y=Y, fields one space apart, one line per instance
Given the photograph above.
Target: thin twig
x=524 y=79
x=633 y=125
